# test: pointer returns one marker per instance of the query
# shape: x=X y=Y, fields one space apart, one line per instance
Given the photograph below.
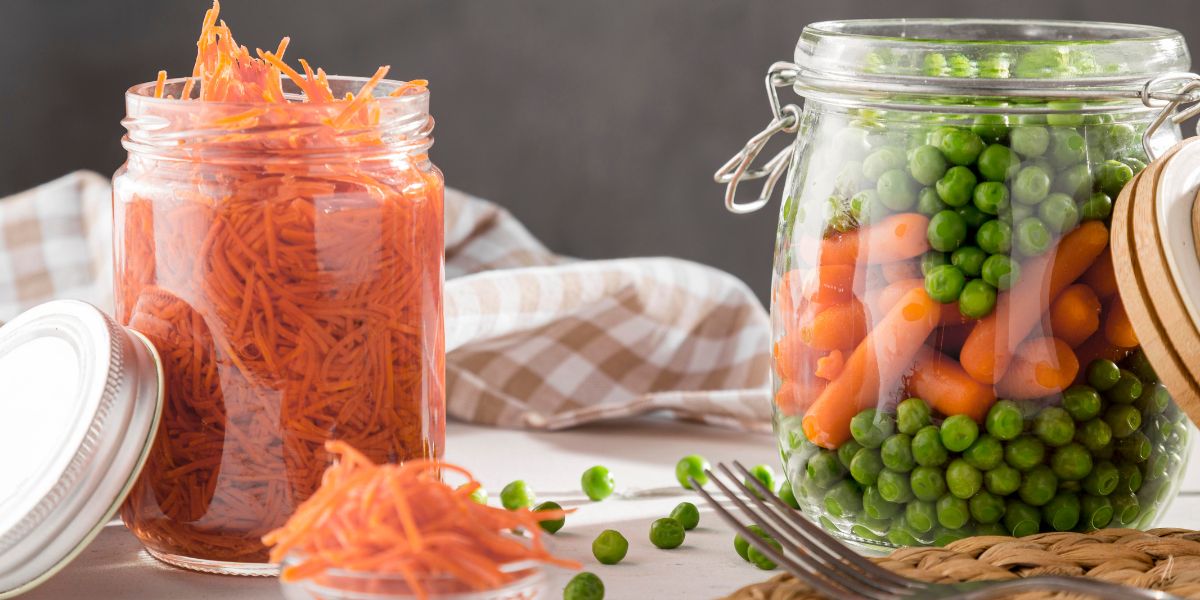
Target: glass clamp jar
x=951 y=353
x=286 y=260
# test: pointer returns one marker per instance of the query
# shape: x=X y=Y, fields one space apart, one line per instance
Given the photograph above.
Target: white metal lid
x=80 y=400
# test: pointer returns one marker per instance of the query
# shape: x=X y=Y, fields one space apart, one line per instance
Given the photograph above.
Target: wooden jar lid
x=1155 y=242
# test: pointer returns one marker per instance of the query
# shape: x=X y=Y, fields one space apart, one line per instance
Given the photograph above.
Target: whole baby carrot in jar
x=278 y=237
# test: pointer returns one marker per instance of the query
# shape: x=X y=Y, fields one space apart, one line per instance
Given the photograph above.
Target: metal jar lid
x=80 y=400
x=1156 y=255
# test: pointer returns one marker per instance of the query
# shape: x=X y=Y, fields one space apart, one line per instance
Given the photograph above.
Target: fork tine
x=829 y=566
x=825 y=543
x=806 y=572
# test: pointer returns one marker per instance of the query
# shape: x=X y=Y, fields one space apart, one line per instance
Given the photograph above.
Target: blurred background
x=599 y=124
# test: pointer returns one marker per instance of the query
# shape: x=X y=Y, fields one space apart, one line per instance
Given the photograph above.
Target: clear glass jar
x=287 y=263
x=947 y=328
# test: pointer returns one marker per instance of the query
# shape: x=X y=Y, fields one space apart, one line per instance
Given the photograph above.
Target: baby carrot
x=1117 y=328
x=1043 y=366
x=888 y=296
x=876 y=364
x=795 y=396
x=901 y=270
x=1075 y=314
x=990 y=347
x=897 y=237
x=786 y=299
x=830 y=365
x=943 y=383
x=840 y=326
x=793 y=358
x=1101 y=276
x=828 y=284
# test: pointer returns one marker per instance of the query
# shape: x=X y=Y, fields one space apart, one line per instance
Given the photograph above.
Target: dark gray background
x=598 y=123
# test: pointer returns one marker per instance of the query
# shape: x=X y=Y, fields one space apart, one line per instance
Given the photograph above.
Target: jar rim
x=144 y=93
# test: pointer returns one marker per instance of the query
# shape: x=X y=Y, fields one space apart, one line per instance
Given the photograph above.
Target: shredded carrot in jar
x=293 y=299
x=403 y=520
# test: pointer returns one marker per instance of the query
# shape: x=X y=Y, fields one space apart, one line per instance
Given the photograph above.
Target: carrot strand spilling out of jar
x=292 y=302
x=403 y=520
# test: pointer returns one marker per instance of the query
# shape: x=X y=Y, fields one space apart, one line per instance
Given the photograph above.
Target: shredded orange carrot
x=403 y=520
x=159 y=84
x=293 y=300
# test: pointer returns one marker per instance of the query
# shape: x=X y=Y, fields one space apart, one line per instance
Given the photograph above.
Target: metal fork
x=837 y=571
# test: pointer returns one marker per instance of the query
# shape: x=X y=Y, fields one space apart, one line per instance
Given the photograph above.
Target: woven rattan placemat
x=1160 y=559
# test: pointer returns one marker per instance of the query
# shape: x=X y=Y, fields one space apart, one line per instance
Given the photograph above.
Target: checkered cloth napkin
x=533 y=339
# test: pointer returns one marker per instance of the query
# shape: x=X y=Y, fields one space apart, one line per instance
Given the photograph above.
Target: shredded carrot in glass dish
x=403 y=520
x=281 y=245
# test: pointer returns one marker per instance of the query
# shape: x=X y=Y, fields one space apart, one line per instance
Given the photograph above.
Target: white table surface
x=641 y=455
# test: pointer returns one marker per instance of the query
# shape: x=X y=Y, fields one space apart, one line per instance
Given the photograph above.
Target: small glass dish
x=338 y=584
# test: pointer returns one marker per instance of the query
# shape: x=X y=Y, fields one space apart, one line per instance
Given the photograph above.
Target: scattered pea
x=597 y=483
x=692 y=466
x=688 y=515
x=517 y=495
x=550 y=525
x=666 y=533
x=610 y=547
x=584 y=586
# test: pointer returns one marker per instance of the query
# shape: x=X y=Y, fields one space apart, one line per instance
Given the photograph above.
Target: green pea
x=1038 y=486
x=947 y=230
x=894 y=486
x=901 y=537
x=1140 y=365
x=517 y=495
x=995 y=237
x=1096 y=512
x=944 y=537
x=985 y=453
x=1029 y=141
x=550 y=525
x=991 y=197
x=1061 y=513
x=1103 y=479
x=932 y=259
x=1004 y=420
x=882 y=160
x=1094 y=434
x=1154 y=399
x=1075 y=181
x=962 y=479
x=584 y=586
x=1127 y=390
x=479 y=495
x=1103 y=374
x=875 y=507
x=929 y=203
x=927 y=483
x=844 y=499
x=1021 y=519
x=1031 y=185
x=823 y=469
x=846 y=452
x=991 y=128
x=1157 y=467
x=1067 y=148
x=896 y=453
x=1017 y=213
x=1125 y=507
x=870 y=428
x=927 y=164
x=760 y=560
x=688 y=515
x=1098 y=207
x=927 y=447
x=958 y=432
x=1054 y=426
x=998 y=163
x=742 y=547
x=1024 y=453
x=866 y=466
x=969 y=260
x=1070 y=115
x=1081 y=402
x=1032 y=236
x=921 y=515
x=788 y=495
x=667 y=533
x=1136 y=448
x=955 y=188
x=977 y=299
x=1002 y=480
x=1124 y=419
x=866 y=208
x=610 y=547
x=1059 y=213
x=1071 y=462
x=1129 y=478
x=952 y=511
x=896 y=191
x=1001 y=271
x=945 y=283
x=597 y=483
x=692 y=466
x=972 y=216
x=911 y=415
x=1112 y=175
x=986 y=507
x=960 y=146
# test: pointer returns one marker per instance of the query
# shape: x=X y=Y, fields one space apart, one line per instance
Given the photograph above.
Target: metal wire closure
x=1176 y=94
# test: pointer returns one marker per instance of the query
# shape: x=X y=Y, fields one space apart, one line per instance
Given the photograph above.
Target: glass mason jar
x=287 y=263
x=951 y=354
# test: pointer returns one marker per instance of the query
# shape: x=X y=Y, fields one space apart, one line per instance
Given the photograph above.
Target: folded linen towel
x=533 y=339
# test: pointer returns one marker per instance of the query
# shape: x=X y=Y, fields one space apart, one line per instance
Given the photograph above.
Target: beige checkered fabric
x=533 y=339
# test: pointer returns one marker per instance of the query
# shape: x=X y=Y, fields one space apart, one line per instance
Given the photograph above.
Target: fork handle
x=984 y=590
